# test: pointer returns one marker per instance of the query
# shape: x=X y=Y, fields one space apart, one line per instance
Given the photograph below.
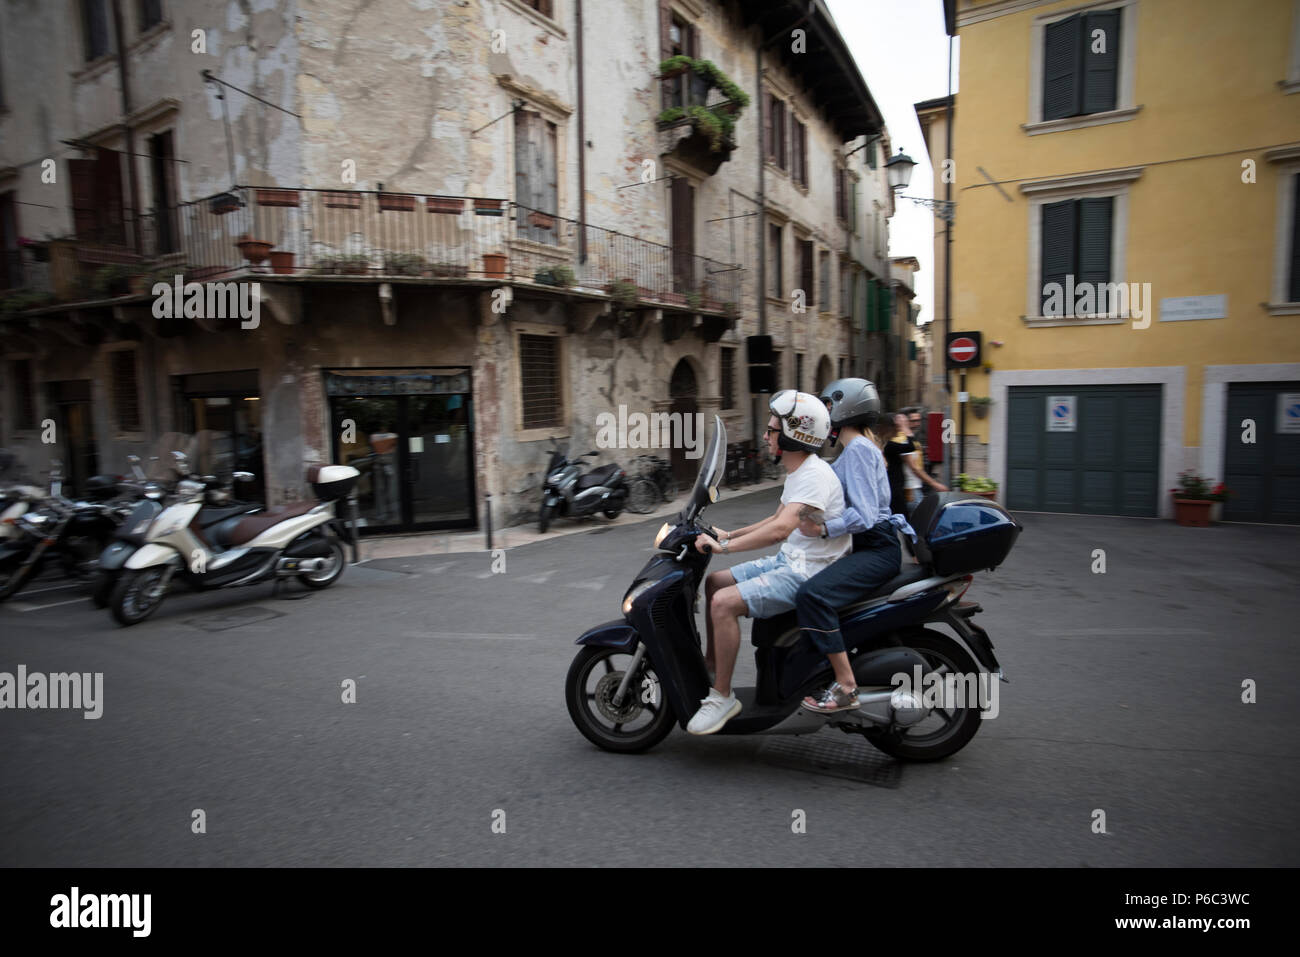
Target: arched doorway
x=683 y=390
x=824 y=374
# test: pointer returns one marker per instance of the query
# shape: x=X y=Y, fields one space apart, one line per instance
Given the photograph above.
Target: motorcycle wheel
x=642 y=496
x=592 y=681
x=101 y=588
x=544 y=517
x=612 y=512
x=137 y=595
x=942 y=734
x=330 y=573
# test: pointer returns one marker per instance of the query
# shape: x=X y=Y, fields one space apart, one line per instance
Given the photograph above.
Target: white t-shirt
x=815 y=483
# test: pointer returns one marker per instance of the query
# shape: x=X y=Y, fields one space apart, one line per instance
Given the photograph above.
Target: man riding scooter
x=796 y=431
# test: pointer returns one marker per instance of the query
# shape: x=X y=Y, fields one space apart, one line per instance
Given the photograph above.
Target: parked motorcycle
x=16 y=496
x=635 y=677
x=569 y=491
x=73 y=533
x=208 y=549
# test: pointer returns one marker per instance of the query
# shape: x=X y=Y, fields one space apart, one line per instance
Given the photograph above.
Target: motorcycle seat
x=598 y=476
x=208 y=517
x=248 y=528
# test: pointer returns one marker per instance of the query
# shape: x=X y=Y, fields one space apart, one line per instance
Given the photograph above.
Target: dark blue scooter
x=635 y=677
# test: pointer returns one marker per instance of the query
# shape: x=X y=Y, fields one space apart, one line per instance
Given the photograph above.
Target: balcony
x=685 y=85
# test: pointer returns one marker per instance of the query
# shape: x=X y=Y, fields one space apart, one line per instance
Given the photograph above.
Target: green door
x=1263 y=475
x=1095 y=451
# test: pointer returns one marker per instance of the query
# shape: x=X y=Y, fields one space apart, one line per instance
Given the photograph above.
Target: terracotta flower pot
x=444 y=204
x=277 y=197
x=397 y=202
x=541 y=220
x=1193 y=512
x=254 y=250
x=494 y=265
x=488 y=207
x=282 y=263
x=341 y=200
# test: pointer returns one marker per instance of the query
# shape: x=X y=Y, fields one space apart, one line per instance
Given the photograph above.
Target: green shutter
x=871 y=305
x=1101 y=69
x=1062 y=65
x=1094 y=240
x=1058 y=250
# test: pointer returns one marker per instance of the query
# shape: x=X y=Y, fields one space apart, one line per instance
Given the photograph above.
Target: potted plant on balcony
x=224 y=203
x=404 y=264
x=494 y=265
x=254 y=250
x=624 y=292
x=977 y=485
x=281 y=262
x=1194 y=497
x=554 y=276
x=541 y=220
x=674 y=66
x=979 y=404
x=445 y=270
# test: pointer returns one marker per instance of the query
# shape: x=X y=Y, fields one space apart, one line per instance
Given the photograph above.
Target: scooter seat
x=910 y=573
x=250 y=527
x=211 y=516
x=598 y=476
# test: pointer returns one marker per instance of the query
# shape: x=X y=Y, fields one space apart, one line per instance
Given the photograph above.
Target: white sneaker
x=715 y=711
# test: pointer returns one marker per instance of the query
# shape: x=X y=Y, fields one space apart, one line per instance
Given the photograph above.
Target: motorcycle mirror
x=243 y=476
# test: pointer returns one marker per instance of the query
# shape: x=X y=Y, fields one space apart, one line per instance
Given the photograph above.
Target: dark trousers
x=876 y=558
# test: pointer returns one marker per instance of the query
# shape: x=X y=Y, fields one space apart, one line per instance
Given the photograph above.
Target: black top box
x=962 y=532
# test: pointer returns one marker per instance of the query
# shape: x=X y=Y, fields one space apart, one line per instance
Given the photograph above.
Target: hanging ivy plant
x=717 y=122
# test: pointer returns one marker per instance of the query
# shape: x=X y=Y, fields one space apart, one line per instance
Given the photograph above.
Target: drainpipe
x=947 y=269
x=757 y=402
x=582 y=142
x=124 y=78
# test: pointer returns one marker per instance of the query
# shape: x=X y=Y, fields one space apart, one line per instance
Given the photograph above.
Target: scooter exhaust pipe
x=288 y=567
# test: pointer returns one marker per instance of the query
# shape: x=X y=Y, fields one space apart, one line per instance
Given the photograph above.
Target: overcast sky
x=902 y=51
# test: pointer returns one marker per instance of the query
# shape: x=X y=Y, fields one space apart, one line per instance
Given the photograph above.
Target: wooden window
x=824 y=281
x=94 y=28
x=776 y=125
x=539 y=374
x=1081 y=64
x=1076 y=241
x=841 y=197
x=677 y=37
x=95 y=185
x=150 y=14
x=871 y=154
x=24 y=395
x=798 y=152
x=536 y=183
x=774 y=241
x=162 y=175
x=728 y=377
x=798 y=371
x=683 y=235
x=11 y=265
x=545 y=7
x=126 y=397
x=806 y=271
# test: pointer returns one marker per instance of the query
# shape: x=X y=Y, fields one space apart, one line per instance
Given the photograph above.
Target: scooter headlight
x=663 y=533
x=636 y=592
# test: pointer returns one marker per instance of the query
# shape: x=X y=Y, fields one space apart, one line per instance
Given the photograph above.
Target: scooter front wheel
x=137 y=594
x=640 y=721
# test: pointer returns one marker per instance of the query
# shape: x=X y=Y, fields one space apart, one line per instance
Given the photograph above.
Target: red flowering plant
x=1194 y=487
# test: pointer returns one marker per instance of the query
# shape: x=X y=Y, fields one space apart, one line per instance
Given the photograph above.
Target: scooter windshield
x=711 y=469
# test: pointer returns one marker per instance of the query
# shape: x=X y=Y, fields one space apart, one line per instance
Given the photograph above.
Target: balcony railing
x=364 y=233
x=357 y=233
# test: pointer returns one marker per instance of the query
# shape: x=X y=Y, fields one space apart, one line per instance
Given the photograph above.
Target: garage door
x=1088 y=449
x=1264 y=475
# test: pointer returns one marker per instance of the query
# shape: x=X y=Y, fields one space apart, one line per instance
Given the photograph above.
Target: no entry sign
x=963 y=349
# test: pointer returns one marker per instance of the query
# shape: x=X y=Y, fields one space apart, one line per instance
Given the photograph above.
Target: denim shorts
x=769 y=584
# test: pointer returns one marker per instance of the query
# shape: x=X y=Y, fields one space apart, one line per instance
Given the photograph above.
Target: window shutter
x=81 y=184
x=886 y=301
x=769 y=143
x=1094 y=240
x=1058 y=246
x=550 y=184
x=1062 y=55
x=871 y=305
x=1102 y=69
x=108 y=192
x=666 y=49
x=692 y=40
x=523 y=191
x=806 y=272
x=1295 y=244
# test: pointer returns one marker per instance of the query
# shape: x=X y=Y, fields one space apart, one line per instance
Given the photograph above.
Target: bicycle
x=654 y=483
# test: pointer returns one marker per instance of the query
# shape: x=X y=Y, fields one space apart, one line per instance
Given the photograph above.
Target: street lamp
x=899 y=168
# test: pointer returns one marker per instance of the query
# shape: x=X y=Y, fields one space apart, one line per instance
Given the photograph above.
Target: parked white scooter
x=300 y=540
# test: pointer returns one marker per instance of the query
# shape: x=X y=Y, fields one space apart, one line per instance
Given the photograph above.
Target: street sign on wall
x=1060 y=413
x=1288 y=413
x=962 y=349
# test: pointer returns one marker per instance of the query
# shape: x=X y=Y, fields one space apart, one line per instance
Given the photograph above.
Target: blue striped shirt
x=861 y=470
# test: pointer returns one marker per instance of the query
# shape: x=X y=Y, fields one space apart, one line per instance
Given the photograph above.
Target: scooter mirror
x=243 y=476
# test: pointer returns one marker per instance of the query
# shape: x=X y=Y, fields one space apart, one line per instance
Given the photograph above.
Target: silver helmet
x=852 y=402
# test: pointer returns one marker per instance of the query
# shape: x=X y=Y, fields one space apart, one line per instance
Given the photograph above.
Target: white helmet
x=805 y=423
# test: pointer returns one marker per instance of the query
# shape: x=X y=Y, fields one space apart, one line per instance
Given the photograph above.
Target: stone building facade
x=489 y=222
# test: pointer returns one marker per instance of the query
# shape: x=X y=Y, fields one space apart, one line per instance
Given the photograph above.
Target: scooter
x=568 y=491
x=634 y=678
x=299 y=540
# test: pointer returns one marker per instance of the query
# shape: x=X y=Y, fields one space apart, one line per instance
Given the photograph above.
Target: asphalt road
x=1125 y=696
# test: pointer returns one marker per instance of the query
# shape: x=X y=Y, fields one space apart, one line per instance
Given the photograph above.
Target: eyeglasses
x=769 y=430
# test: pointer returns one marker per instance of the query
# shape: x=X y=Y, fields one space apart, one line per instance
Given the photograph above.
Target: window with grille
x=126 y=398
x=728 y=378
x=24 y=395
x=539 y=371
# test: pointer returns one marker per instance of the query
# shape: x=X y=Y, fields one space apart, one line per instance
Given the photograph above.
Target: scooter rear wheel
x=544 y=518
x=938 y=736
x=332 y=572
x=642 y=720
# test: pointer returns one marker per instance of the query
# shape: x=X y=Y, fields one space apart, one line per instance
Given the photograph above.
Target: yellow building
x=1128 y=229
